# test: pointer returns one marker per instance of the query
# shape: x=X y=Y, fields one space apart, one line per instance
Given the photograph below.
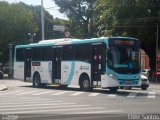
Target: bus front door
x=27 y=64
x=56 y=66
x=98 y=63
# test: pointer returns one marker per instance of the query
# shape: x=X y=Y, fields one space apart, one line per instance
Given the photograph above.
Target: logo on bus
x=65 y=67
x=84 y=68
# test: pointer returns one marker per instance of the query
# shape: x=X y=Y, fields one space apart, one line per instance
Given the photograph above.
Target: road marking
x=14 y=99
x=55 y=110
x=60 y=93
x=97 y=112
x=13 y=92
x=77 y=93
x=28 y=92
x=26 y=102
x=37 y=104
x=151 y=95
x=93 y=94
x=43 y=107
x=41 y=93
x=112 y=95
x=132 y=94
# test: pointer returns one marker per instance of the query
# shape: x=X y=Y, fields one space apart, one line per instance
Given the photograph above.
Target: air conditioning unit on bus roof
x=54 y=40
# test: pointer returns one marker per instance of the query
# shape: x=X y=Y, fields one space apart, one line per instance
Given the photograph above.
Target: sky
x=49 y=5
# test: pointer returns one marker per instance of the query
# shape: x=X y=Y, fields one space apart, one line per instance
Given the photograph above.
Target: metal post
x=157 y=53
x=42 y=20
x=157 y=49
x=10 y=76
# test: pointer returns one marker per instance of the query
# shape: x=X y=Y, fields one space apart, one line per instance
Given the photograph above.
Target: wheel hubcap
x=85 y=84
x=36 y=81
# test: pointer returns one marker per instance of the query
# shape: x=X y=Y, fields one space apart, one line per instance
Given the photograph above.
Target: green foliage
x=80 y=14
x=133 y=18
x=123 y=17
x=17 y=20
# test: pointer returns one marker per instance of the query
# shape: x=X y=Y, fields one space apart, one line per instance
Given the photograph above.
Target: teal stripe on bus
x=71 y=73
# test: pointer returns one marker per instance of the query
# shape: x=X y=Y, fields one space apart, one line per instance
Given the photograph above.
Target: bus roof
x=65 y=41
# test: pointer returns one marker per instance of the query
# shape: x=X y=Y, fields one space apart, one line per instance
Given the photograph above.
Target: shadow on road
x=120 y=92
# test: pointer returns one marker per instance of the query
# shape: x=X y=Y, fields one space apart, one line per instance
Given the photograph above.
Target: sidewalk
x=3 y=87
x=154 y=86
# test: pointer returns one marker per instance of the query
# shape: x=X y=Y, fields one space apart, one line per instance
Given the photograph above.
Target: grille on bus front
x=128 y=81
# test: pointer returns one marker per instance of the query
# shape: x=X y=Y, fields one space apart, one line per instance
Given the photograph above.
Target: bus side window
x=68 y=53
x=20 y=54
x=83 y=52
x=109 y=59
x=46 y=53
x=37 y=54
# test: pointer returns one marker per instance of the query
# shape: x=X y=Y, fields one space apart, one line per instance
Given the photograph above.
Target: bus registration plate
x=128 y=82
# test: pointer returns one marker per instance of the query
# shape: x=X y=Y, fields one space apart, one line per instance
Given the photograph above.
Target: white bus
x=84 y=63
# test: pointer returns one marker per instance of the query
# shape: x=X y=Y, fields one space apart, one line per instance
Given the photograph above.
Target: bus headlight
x=113 y=76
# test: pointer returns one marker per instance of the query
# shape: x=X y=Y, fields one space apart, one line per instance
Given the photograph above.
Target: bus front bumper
x=111 y=81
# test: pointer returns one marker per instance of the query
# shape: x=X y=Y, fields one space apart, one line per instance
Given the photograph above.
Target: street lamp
x=31 y=37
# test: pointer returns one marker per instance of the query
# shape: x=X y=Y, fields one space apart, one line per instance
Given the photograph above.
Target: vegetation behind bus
x=136 y=18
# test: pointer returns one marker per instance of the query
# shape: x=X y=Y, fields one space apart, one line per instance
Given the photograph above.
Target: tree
x=134 y=18
x=16 y=20
x=80 y=13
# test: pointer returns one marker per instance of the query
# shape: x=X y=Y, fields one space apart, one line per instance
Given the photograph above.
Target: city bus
x=107 y=63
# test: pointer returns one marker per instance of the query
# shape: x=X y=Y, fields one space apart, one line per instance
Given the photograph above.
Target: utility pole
x=10 y=75
x=42 y=20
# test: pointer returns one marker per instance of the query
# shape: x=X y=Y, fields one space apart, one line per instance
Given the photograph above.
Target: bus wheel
x=113 y=89
x=36 y=81
x=85 y=83
x=128 y=87
x=144 y=88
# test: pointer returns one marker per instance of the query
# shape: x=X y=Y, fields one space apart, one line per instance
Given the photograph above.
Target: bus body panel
x=71 y=72
x=44 y=69
x=68 y=72
x=19 y=70
x=107 y=81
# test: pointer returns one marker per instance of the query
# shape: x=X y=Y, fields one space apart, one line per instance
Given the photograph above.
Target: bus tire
x=113 y=89
x=128 y=87
x=121 y=87
x=85 y=83
x=144 y=88
x=36 y=80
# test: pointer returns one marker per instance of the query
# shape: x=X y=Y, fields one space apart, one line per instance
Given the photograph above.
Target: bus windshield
x=123 y=59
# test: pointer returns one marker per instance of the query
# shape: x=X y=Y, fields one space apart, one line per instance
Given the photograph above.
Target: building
x=144 y=60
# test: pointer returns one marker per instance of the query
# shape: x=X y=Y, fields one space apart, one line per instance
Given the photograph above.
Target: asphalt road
x=24 y=102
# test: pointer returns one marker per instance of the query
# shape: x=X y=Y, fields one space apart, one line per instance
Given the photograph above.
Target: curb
x=3 y=87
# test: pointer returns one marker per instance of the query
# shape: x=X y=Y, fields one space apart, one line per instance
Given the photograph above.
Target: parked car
x=144 y=83
x=1 y=75
x=156 y=75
